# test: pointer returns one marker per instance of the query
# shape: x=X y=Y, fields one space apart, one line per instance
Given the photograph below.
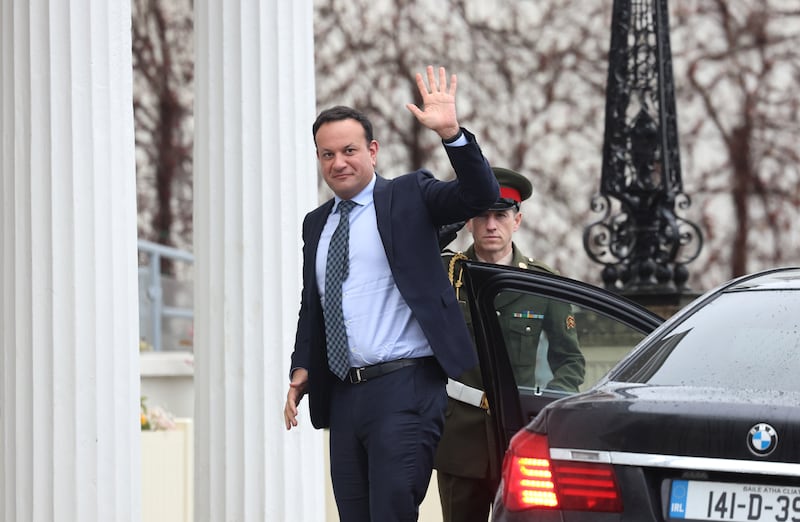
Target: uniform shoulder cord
x=457 y=283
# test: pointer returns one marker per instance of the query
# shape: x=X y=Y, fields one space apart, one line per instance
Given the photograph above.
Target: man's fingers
x=292 y=399
x=421 y=84
x=290 y=413
x=431 y=79
x=435 y=85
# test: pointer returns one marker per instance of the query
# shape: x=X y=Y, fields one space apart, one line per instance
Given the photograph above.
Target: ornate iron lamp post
x=643 y=245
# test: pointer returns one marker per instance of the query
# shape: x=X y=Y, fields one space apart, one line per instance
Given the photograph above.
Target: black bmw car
x=697 y=418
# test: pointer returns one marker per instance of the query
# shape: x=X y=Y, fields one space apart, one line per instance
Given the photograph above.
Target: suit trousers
x=383 y=437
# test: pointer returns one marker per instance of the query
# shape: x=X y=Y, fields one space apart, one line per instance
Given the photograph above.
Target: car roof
x=787 y=278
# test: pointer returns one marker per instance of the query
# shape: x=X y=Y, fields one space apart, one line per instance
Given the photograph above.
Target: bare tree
x=741 y=67
x=532 y=86
x=163 y=74
x=531 y=83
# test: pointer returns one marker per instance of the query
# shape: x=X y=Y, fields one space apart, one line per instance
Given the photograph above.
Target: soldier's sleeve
x=565 y=357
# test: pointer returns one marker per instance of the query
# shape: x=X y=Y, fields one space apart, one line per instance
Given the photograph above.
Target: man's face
x=492 y=231
x=346 y=159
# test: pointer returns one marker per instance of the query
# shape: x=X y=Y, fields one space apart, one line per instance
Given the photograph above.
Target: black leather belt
x=365 y=373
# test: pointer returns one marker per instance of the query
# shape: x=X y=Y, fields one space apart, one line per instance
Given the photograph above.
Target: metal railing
x=154 y=291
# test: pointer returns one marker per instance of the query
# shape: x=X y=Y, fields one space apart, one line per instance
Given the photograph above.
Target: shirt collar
x=362 y=198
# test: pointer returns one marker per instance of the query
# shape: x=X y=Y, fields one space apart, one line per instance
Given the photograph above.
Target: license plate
x=700 y=500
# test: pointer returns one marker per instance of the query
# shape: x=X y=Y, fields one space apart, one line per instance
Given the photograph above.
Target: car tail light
x=531 y=480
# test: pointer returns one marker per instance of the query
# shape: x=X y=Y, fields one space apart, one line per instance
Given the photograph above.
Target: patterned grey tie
x=336 y=271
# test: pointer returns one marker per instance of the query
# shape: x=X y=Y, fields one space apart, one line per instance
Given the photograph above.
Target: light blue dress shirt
x=380 y=326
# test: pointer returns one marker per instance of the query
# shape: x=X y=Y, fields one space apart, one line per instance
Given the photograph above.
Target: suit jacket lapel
x=316 y=225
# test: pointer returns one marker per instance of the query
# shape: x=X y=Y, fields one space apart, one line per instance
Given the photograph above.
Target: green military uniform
x=543 y=349
x=468 y=472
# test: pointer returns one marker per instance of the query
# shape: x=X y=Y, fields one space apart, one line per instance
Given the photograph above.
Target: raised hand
x=438 y=111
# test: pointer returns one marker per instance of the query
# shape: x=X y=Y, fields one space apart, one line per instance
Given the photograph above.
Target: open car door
x=541 y=337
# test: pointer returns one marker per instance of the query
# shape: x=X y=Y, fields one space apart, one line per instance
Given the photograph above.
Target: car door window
x=557 y=345
x=541 y=336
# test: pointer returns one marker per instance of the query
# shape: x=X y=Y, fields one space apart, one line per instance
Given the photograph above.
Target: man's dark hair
x=338 y=113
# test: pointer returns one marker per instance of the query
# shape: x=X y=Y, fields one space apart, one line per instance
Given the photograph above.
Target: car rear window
x=741 y=340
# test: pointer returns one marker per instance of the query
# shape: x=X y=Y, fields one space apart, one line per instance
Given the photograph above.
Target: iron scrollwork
x=643 y=245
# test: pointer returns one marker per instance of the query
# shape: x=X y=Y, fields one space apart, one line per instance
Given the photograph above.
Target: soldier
x=543 y=348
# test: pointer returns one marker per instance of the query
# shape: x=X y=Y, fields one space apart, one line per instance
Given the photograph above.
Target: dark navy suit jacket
x=409 y=211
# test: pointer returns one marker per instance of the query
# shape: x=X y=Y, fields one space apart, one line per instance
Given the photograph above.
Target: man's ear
x=517 y=220
x=373 y=152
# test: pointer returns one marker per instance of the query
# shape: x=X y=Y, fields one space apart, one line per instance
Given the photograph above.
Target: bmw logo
x=762 y=439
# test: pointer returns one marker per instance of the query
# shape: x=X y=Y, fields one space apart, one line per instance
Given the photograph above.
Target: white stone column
x=69 y=383
x=254 y=179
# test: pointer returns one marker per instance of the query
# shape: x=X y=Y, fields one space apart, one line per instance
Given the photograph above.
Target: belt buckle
x=357 y=379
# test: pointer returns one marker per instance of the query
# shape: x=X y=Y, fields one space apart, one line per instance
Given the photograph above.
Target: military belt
x=467 y=394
